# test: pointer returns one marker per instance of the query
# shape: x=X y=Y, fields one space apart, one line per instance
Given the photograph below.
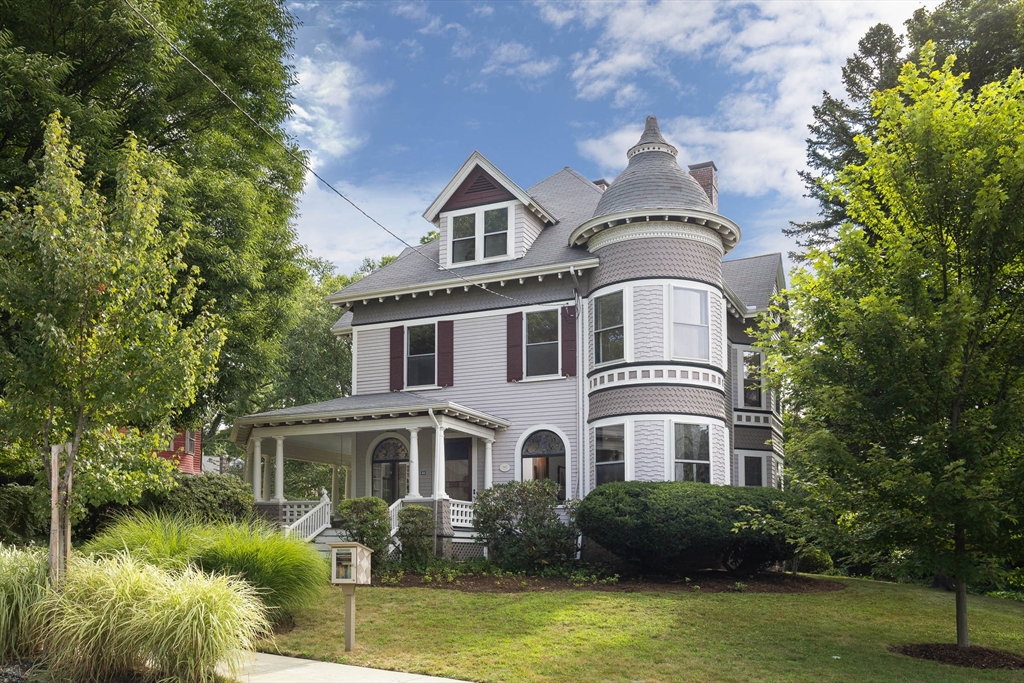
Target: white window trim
x=190 y=442
x=627 y=325
x=510 y=243
x=405 y=359
x=518 y=469
x=741 y=403
x=671 y=444
x=742 y=465
x=672 y=322
x=558 y=327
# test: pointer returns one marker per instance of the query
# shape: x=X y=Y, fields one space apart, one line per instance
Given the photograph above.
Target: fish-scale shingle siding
x=648 y=323
x=638 y=400
x=656 y=257
x=649 y=449
x=719 y=454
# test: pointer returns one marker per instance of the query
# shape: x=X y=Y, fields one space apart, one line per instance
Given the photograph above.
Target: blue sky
x=393 y=96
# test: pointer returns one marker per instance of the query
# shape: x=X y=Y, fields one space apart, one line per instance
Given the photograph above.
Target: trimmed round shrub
x=520 y=525
x=24 y=575
x=672 y=526
x=287 y=572
x=119 y=618
x=368 y=521
x=416 y=534
x=208 y=496
x=815 y=561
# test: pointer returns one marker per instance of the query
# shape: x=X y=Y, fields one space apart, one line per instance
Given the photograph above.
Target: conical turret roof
x=653 y=180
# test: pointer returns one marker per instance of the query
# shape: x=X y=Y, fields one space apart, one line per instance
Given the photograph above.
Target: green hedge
x=416 y=534
x=211 y=497
x=671 y=526
x=367 y=521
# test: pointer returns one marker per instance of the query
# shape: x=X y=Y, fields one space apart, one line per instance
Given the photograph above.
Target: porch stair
x=328 y=535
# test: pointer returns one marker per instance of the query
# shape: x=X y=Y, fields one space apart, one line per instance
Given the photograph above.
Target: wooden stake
x=55 y=526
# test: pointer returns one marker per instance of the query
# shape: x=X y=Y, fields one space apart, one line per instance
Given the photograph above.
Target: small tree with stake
x=93 y=295
x=902 y=351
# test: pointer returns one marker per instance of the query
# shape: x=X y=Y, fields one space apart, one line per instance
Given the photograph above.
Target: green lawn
x=656 y=636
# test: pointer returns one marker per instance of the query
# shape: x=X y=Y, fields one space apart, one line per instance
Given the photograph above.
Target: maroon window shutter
x=445 y=353
x=569 y=341
x=514 y=356
x=398 y=358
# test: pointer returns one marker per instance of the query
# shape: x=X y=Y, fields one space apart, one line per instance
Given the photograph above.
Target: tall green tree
x=92 y=294
x=109 y=73
x=902 y=349
x=986 y=37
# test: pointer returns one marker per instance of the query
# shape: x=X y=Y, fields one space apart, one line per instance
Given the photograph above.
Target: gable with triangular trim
x=477 y=189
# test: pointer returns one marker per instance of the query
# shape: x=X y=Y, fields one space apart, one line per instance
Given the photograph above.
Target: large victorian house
x=576 y=331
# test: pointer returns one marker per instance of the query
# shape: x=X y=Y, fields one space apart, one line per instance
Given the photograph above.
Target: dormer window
x=481 y=234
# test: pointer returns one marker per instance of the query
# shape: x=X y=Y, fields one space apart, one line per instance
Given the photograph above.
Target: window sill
x=608 y=364
x=480 y=262
x=541 y=378
x=684 y=359
x=425 y=387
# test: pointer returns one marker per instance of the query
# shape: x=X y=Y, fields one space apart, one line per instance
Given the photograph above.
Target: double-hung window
x=752 y=388
x=692 y=453
x=421 y=356
x=481 y=234
x=542 y=343
x=609 y=331
x=190 y=442
x=690 y=333
x=610 y=453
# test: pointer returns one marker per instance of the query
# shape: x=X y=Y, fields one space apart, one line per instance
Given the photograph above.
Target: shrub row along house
x=575 y=331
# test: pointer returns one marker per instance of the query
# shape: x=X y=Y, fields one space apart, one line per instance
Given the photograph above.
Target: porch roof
x=362 y=407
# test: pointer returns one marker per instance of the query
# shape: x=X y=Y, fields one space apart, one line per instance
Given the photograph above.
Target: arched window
x=543 y=455
x=390 y=470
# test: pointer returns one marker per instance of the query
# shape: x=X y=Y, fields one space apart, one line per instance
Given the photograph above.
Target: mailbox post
x=350 y=567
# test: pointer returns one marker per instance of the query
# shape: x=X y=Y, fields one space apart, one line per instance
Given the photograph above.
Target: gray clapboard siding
x=442 y=243
x=528 y=227
x=373 y=361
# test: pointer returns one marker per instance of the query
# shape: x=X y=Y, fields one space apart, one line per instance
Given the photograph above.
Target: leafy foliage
x=117 y=618
x=416 y=534
x=666 y=526
x=23 y=514
x=901 y=349
x=109 y=73
x=208 y=497
x=986 y=37
x=23 y=583
x=288 y=572
x=367 y=521
x=521 y=527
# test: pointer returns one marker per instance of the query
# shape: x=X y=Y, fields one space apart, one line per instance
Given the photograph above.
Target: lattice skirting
x=467 y=551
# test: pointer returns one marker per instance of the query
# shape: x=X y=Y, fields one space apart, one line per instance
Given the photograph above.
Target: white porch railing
x=294 y=510
x=393 y=516
x=315 y=520
x=462 y=513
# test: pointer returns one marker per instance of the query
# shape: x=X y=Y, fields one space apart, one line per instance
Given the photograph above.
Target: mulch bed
x=709 y=582
x=974 y=657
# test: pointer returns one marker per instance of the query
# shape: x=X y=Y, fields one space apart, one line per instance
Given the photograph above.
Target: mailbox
x=350 y=563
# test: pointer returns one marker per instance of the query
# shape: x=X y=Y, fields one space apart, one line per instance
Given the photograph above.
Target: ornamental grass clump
x=119 y=617
x=23 y=581
x=168 y=541
x=288 y=572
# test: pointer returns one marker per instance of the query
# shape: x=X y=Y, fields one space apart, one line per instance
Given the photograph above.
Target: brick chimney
x=706 y=174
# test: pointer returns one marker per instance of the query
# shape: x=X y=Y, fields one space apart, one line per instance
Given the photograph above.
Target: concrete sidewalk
x=264 y=668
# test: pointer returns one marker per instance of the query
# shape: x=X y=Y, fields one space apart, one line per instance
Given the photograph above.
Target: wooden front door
x=458 y=468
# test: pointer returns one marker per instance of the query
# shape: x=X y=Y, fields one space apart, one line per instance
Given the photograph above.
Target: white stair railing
x=393 y=515
x=313 y=522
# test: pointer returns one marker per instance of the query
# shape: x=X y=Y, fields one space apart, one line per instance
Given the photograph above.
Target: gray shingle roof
x=344 y=323
x=753 y=279
x=570 y=197
x=653 y=180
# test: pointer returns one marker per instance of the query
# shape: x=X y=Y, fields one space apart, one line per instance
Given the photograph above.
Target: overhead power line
x=302 y=162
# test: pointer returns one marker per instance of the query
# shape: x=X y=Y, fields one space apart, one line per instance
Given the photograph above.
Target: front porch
x=397 y=446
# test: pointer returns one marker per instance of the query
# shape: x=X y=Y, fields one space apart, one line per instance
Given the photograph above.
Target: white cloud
x=482 y=10
x=517 y=60
x=785 y=54
x=328 y=95
x=332 y=229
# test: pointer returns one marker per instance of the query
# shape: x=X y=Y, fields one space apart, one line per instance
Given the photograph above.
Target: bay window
x=690 y=331
x=752 y=389
x=609 y=330
x=610 y=454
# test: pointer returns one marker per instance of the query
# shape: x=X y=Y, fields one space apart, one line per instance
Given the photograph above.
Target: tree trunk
x=960 y=549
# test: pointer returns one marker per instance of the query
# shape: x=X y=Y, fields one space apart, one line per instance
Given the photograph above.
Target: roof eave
x=470 y=280
x=477 y=159
x=729 y=231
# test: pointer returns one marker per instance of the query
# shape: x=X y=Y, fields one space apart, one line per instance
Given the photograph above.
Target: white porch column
x=439 y=491
x=334 y=488
x=279 y=471
x=257 y=468
x=488 y=463
x=414 y=462
x=267 y=481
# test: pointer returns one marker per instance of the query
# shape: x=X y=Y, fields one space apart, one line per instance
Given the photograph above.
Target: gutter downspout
x=581 y=350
